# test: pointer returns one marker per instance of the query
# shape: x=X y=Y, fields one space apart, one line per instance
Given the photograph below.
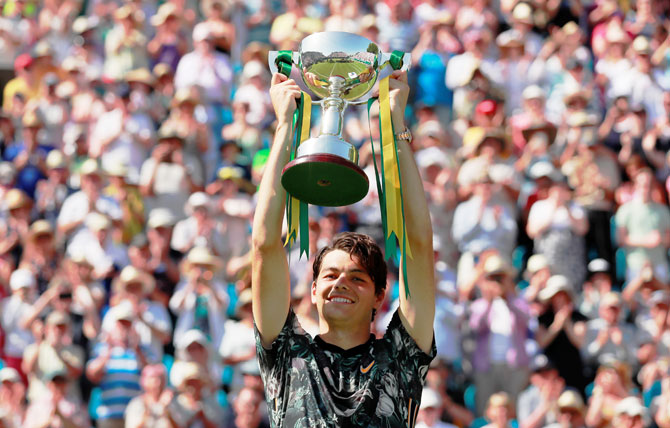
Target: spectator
x=193 y=346
x=125 y=44
x=149 y=410
x=56 y=409
x=200 y=228
x=238 y=345
x=608 y=336
x=15 y=308
x=12 y=398
x=499 y=411
x=54 y=353
x=51 y=193
x=611 y=386
x=200 y=300
x=643 y=228
x=557 y=226
x=499 y=320
x=561 y=331
x=116 y=364
x=570 y=411
x=537 y=404
x=192 y=405
x=430 y=410
x=631 y=413
x=151 y=321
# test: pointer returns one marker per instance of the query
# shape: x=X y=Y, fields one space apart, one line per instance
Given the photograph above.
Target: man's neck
x=343 y=337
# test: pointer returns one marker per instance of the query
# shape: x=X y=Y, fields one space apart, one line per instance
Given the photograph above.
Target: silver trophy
x=336 y=69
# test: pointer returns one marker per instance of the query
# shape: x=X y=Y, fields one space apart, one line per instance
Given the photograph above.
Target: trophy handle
x=385 y=70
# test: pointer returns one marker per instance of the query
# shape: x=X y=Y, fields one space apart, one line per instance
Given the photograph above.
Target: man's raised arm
x=270 y=281
x=418 y=311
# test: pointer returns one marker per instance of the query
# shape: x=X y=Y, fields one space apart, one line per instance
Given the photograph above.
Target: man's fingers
x=278 y=78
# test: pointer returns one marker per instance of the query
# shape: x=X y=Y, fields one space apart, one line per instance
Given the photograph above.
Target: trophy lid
x=346 y=62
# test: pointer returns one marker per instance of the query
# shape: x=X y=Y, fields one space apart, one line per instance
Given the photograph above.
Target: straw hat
x=162 y=69
x=84 y=23
x=186 y=95
x=546 y=128
x=641 y=46
x=56 y=160
x=492 y=134
x=575 y=92
x=123 y=311
x=164 y=12
x=255 y=50
x=570 y=399
x=495 y=264
x=130 y=274
x=192 y=336
x=16 y=198
x=58 y=318
x=140 y=75
x=202 y=31
x=523 y=13
x=116 y=169
x=40 y=227
x=89 y=167
x=510 y=39
x=31 y=120
x=536 y=262
x=202 y=256
x=615 y=34
x=129 y=11
x=160 y=217
x=169 y=131
x=9 y=374
x=555 y=285
x=96 y=221
x=197 y=200
x=183 y=371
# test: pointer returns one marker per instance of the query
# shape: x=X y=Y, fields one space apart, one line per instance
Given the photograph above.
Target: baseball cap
x=22 y=278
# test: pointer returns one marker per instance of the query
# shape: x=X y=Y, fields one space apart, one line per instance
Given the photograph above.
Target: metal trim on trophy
x=340 y=69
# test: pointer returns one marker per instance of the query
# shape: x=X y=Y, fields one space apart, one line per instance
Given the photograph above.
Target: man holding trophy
x=344 y=377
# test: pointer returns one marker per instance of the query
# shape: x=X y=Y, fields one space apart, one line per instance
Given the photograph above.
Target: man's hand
x=284 y=92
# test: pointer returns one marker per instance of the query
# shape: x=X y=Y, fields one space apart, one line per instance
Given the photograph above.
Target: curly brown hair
x=367 y=252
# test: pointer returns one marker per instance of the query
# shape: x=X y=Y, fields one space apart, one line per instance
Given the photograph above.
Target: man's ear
x=313 y=293
x=379 y=299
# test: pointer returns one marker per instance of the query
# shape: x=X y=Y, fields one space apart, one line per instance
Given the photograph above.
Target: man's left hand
x=398 y=94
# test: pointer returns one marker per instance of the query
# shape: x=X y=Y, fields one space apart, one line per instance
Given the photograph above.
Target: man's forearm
x=417 y=215
x=272 y=196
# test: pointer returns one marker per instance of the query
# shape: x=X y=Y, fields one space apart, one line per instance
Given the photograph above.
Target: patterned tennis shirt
x=310 y=383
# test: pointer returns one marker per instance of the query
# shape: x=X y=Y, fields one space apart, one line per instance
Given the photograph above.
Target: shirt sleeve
x=268 y=357
x=405 y=349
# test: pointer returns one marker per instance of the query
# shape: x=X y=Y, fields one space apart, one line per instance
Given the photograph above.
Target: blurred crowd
x=133 y=135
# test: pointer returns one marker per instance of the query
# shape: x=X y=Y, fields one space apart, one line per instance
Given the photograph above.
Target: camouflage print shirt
x=310 y=383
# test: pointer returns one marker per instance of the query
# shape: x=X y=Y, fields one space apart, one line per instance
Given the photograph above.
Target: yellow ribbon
x=303 y=128
x=394 y=210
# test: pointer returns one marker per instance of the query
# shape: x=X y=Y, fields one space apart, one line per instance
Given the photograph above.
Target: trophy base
x=325 y=180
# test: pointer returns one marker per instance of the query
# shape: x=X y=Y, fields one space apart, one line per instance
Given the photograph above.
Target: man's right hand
x=284 y=92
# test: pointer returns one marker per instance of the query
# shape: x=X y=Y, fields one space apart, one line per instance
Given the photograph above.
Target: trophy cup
x=340 y=69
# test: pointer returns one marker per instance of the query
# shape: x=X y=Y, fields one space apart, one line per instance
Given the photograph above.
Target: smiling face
x=344 y=293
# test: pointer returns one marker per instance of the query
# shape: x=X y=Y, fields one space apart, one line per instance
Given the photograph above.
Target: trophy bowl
x=340 y=68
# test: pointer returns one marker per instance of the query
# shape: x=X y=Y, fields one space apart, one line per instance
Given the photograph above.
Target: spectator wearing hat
x=29 y=155
x=193 y=404
x=52 y=110
x=622 y=127
x=608 y=336
x=14 y=309
x=599 y=282
x=85 y=286
x=248 y=410
x=196 y=134
x=643 y=229
x=561 y=331
x=611 y=386
x=24 y=86
x=125 y=45
x=200 y=228
x=17 y=222
x=56 y=408
x=40 y=254
x=513 y=62
x=158 y=258
x=169 y=176
x=193 y=346
x=631 y=413
x=200 y=300
x=54 y=352
x=293 y=25
x=79 y=204
x=482 y=223
x=254 y=90
x=116 y=364
x=12 y=398
x=571 y=411
x=247 y=137
x=50 y=194
x=656 y=325
x=123 y=189
x=530 y=121
x=499 y=320
x=142 y=103
x=430 y=410
x=169 y=44
x=537 y=274
x=209 y=70
x=150 y=408
x=342 y=17
x=594 y=173
x=220 y=16
x=99 y=246
x=557 y=226
x=151 y=319
x=536 y=406
x=661 y=403
x=499 y=411
x=522 y=21
x=238 y=344
x=122 y=134
x=544 y=174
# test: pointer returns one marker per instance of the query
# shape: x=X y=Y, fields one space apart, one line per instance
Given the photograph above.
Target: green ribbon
x=391 y=242
x=284 y=62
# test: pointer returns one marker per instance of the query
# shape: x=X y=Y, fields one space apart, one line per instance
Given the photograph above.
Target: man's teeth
x=340 y=300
